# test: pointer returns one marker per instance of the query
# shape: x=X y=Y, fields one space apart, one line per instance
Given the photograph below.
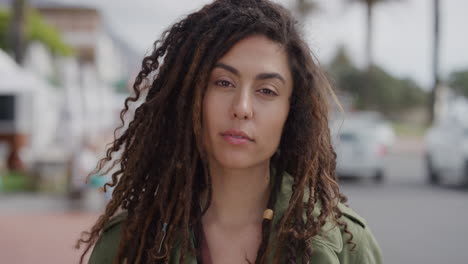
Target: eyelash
x=268 y=92
x=219 y=82
x=264 y=91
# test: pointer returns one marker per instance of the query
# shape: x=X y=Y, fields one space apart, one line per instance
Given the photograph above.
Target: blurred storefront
x=54 y=105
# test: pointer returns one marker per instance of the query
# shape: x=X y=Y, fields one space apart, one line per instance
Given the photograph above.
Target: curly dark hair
x=162 y=169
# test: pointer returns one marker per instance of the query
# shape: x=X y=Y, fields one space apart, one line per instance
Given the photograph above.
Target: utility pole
x=435 y=62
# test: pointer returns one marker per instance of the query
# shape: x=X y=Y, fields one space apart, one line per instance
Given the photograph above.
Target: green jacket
x=328 y=248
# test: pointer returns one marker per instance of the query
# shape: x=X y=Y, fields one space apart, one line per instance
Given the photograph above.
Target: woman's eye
x=223 y=83
x=267 y=91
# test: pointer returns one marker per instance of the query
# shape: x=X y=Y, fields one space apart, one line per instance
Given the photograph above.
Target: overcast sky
x=402 y=38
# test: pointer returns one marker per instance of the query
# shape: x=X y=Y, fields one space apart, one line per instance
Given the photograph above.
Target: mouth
x=236 y=135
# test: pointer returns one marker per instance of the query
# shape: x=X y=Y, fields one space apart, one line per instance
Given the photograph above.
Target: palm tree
x=17 y=29
x=370 y=4
x=435 y=61
x=304 y=8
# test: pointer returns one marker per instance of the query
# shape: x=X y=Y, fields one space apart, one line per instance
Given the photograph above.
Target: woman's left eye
x=267 y=91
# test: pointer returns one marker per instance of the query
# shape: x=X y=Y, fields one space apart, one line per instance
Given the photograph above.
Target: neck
x=239 y=196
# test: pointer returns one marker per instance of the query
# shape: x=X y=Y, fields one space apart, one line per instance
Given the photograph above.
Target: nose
x=242 y=106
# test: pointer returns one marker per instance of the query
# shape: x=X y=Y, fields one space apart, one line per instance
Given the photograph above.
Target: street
x=412 y=221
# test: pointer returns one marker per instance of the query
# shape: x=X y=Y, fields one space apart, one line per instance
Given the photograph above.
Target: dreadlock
x=162 y=169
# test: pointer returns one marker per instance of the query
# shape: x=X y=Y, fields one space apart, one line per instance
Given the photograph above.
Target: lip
x=236 y=137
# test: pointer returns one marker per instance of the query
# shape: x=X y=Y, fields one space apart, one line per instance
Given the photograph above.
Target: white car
x=446 y=152
x=361 y=143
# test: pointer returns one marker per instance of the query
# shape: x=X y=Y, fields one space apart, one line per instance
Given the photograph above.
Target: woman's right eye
x=223 y=83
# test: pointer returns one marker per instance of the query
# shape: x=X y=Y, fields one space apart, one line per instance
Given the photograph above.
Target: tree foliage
x=458 y=81
x=36 y=30
x=378 y=91
x=305 y=7
x=4 y=25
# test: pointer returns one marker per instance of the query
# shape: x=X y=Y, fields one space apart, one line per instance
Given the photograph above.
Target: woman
x=228 y=159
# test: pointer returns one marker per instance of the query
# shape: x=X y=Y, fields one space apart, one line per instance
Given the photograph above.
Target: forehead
x=256 y=54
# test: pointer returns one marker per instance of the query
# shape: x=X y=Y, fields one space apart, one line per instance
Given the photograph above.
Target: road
x=412 y=221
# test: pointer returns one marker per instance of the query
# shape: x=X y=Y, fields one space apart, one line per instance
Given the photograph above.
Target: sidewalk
x=42 y=237
x=41 y=229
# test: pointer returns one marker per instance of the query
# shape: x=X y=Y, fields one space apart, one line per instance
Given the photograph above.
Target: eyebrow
x=261 y=76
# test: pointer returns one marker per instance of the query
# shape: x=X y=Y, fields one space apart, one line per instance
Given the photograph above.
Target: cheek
x=275 y=123
x=280 y=124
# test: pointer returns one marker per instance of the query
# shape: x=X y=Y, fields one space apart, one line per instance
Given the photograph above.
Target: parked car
x=446 y=152
x=361 y=143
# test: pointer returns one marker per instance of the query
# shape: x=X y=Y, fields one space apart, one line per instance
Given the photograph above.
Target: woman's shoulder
x=107 y=245
x=355 y=244
x=333 y=244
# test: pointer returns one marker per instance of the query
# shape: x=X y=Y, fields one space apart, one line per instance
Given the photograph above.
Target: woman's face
x=246 y=104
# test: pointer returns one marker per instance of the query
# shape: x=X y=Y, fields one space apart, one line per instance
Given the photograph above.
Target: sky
x=402 y=31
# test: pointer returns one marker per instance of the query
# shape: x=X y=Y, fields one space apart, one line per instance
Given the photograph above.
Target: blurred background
x=399 y=69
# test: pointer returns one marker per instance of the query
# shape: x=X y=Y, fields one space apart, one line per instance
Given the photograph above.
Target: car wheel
x=379 y=176
x=433 y=177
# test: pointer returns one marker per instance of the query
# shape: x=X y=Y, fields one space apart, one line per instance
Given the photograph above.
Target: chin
x=232 y=161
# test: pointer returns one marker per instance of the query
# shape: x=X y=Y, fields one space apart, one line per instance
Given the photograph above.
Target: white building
x=29 y=111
